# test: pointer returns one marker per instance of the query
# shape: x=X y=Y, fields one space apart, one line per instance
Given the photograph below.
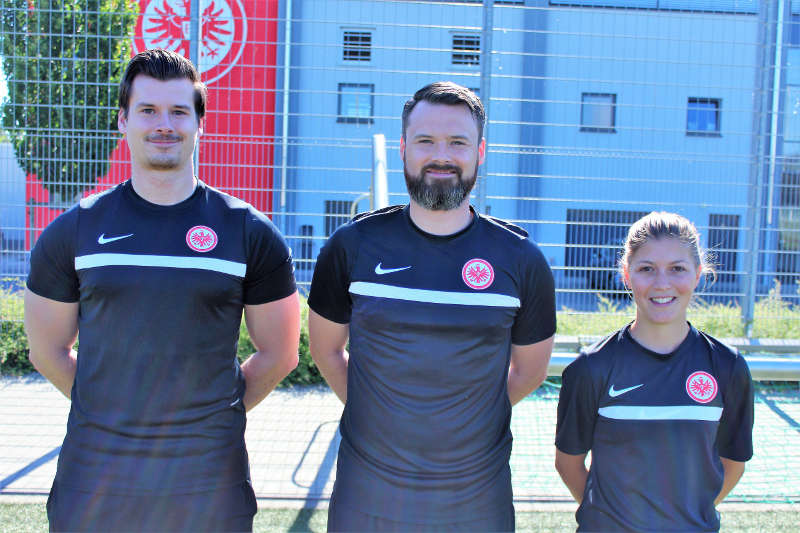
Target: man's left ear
x=200 y=127
x=481 y=151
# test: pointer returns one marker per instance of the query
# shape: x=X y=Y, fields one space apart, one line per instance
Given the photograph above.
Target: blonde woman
x=666 y=410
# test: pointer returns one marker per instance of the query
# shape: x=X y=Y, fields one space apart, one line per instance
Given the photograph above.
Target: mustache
x=441 y=168
x=159 y=137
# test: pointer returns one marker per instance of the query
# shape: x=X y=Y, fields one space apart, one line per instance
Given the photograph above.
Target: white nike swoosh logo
x=103 y=240
x=614 y=393
x=235 y=402
x=380 y=271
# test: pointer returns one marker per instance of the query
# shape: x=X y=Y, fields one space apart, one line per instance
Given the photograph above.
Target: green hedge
x=306 y=372
x=776 y=318
x=14 y=343
x=14 y=349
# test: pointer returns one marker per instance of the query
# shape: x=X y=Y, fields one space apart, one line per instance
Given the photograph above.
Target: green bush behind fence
x=776 y=318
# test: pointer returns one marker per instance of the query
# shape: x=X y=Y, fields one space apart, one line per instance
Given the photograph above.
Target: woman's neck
x=660 y=338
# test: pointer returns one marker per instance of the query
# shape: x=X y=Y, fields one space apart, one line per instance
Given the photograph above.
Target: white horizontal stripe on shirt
x=662 y=412
x=485 y=299
x=165 y=261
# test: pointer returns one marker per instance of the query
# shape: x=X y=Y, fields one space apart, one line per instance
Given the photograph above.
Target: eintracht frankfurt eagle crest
x=223 y=30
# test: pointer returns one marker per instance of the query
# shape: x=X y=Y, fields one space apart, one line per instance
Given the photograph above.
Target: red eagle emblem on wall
x=223 y=32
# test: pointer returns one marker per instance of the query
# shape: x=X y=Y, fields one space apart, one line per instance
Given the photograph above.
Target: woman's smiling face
x=662 y=274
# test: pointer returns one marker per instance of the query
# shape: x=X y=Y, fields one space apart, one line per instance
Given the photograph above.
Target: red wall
x=237 y=147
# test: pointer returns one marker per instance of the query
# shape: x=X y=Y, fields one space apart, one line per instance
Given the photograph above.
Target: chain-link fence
x=599 y=111
x=292 y=442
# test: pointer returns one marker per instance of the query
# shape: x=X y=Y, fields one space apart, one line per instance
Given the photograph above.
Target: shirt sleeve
x=330 y=296
x=735 y=433
x=577 y=408
x=270 y=272
x=536 y=319
x=52 y=274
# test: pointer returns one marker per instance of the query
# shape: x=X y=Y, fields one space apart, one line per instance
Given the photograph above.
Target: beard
x=440 y=194
x=164 y=161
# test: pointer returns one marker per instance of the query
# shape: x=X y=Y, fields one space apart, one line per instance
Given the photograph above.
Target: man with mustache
x=155 y=274
x=450 y=316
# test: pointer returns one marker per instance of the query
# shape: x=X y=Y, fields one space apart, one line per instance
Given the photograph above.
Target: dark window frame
x=351 y=119
x=357 y=45
x=306 y=257
x=337 y=213
x=697 y=101
x=599 y=129
x=462 y=54
x=788 y=214
x=593 y=240
x=723 y=232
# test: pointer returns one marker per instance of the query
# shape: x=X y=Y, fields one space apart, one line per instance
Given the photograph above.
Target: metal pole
x=380 y=189
x=485 y=89
x=776 y=99
x=767 y=38
x=287 y=63
x=194 y=57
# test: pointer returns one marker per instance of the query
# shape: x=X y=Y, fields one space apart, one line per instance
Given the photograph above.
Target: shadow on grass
x=303 y=521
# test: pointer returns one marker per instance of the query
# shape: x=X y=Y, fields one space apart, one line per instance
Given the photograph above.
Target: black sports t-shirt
x=425 y=431
x=157 y=398
x=657 y=425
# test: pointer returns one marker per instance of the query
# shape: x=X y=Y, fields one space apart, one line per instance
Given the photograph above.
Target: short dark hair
x=162 y=65
x=448 y=93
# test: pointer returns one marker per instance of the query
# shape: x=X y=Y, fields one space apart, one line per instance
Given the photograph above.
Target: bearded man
x=450 y=317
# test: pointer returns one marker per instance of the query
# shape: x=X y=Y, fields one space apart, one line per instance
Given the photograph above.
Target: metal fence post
x=485 y=89
x=194 y=57
x=287 y=65
x=759 y=148
x=380 y=189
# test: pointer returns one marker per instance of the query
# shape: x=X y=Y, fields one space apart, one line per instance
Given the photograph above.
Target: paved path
x=292 y=439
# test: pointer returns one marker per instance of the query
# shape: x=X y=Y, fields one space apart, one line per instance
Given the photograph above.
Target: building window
x=337 y=212
x=355 y=102
x=723 y=240
x=789 y=220
x=466 y=50
x=357 y=45
x=791 y=120
x=598 y=112
x=306 y=247
x=714 y=6
x=594 y=241
x=702 y=116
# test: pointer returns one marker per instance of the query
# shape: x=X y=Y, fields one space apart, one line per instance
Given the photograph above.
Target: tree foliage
x=63 y=60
